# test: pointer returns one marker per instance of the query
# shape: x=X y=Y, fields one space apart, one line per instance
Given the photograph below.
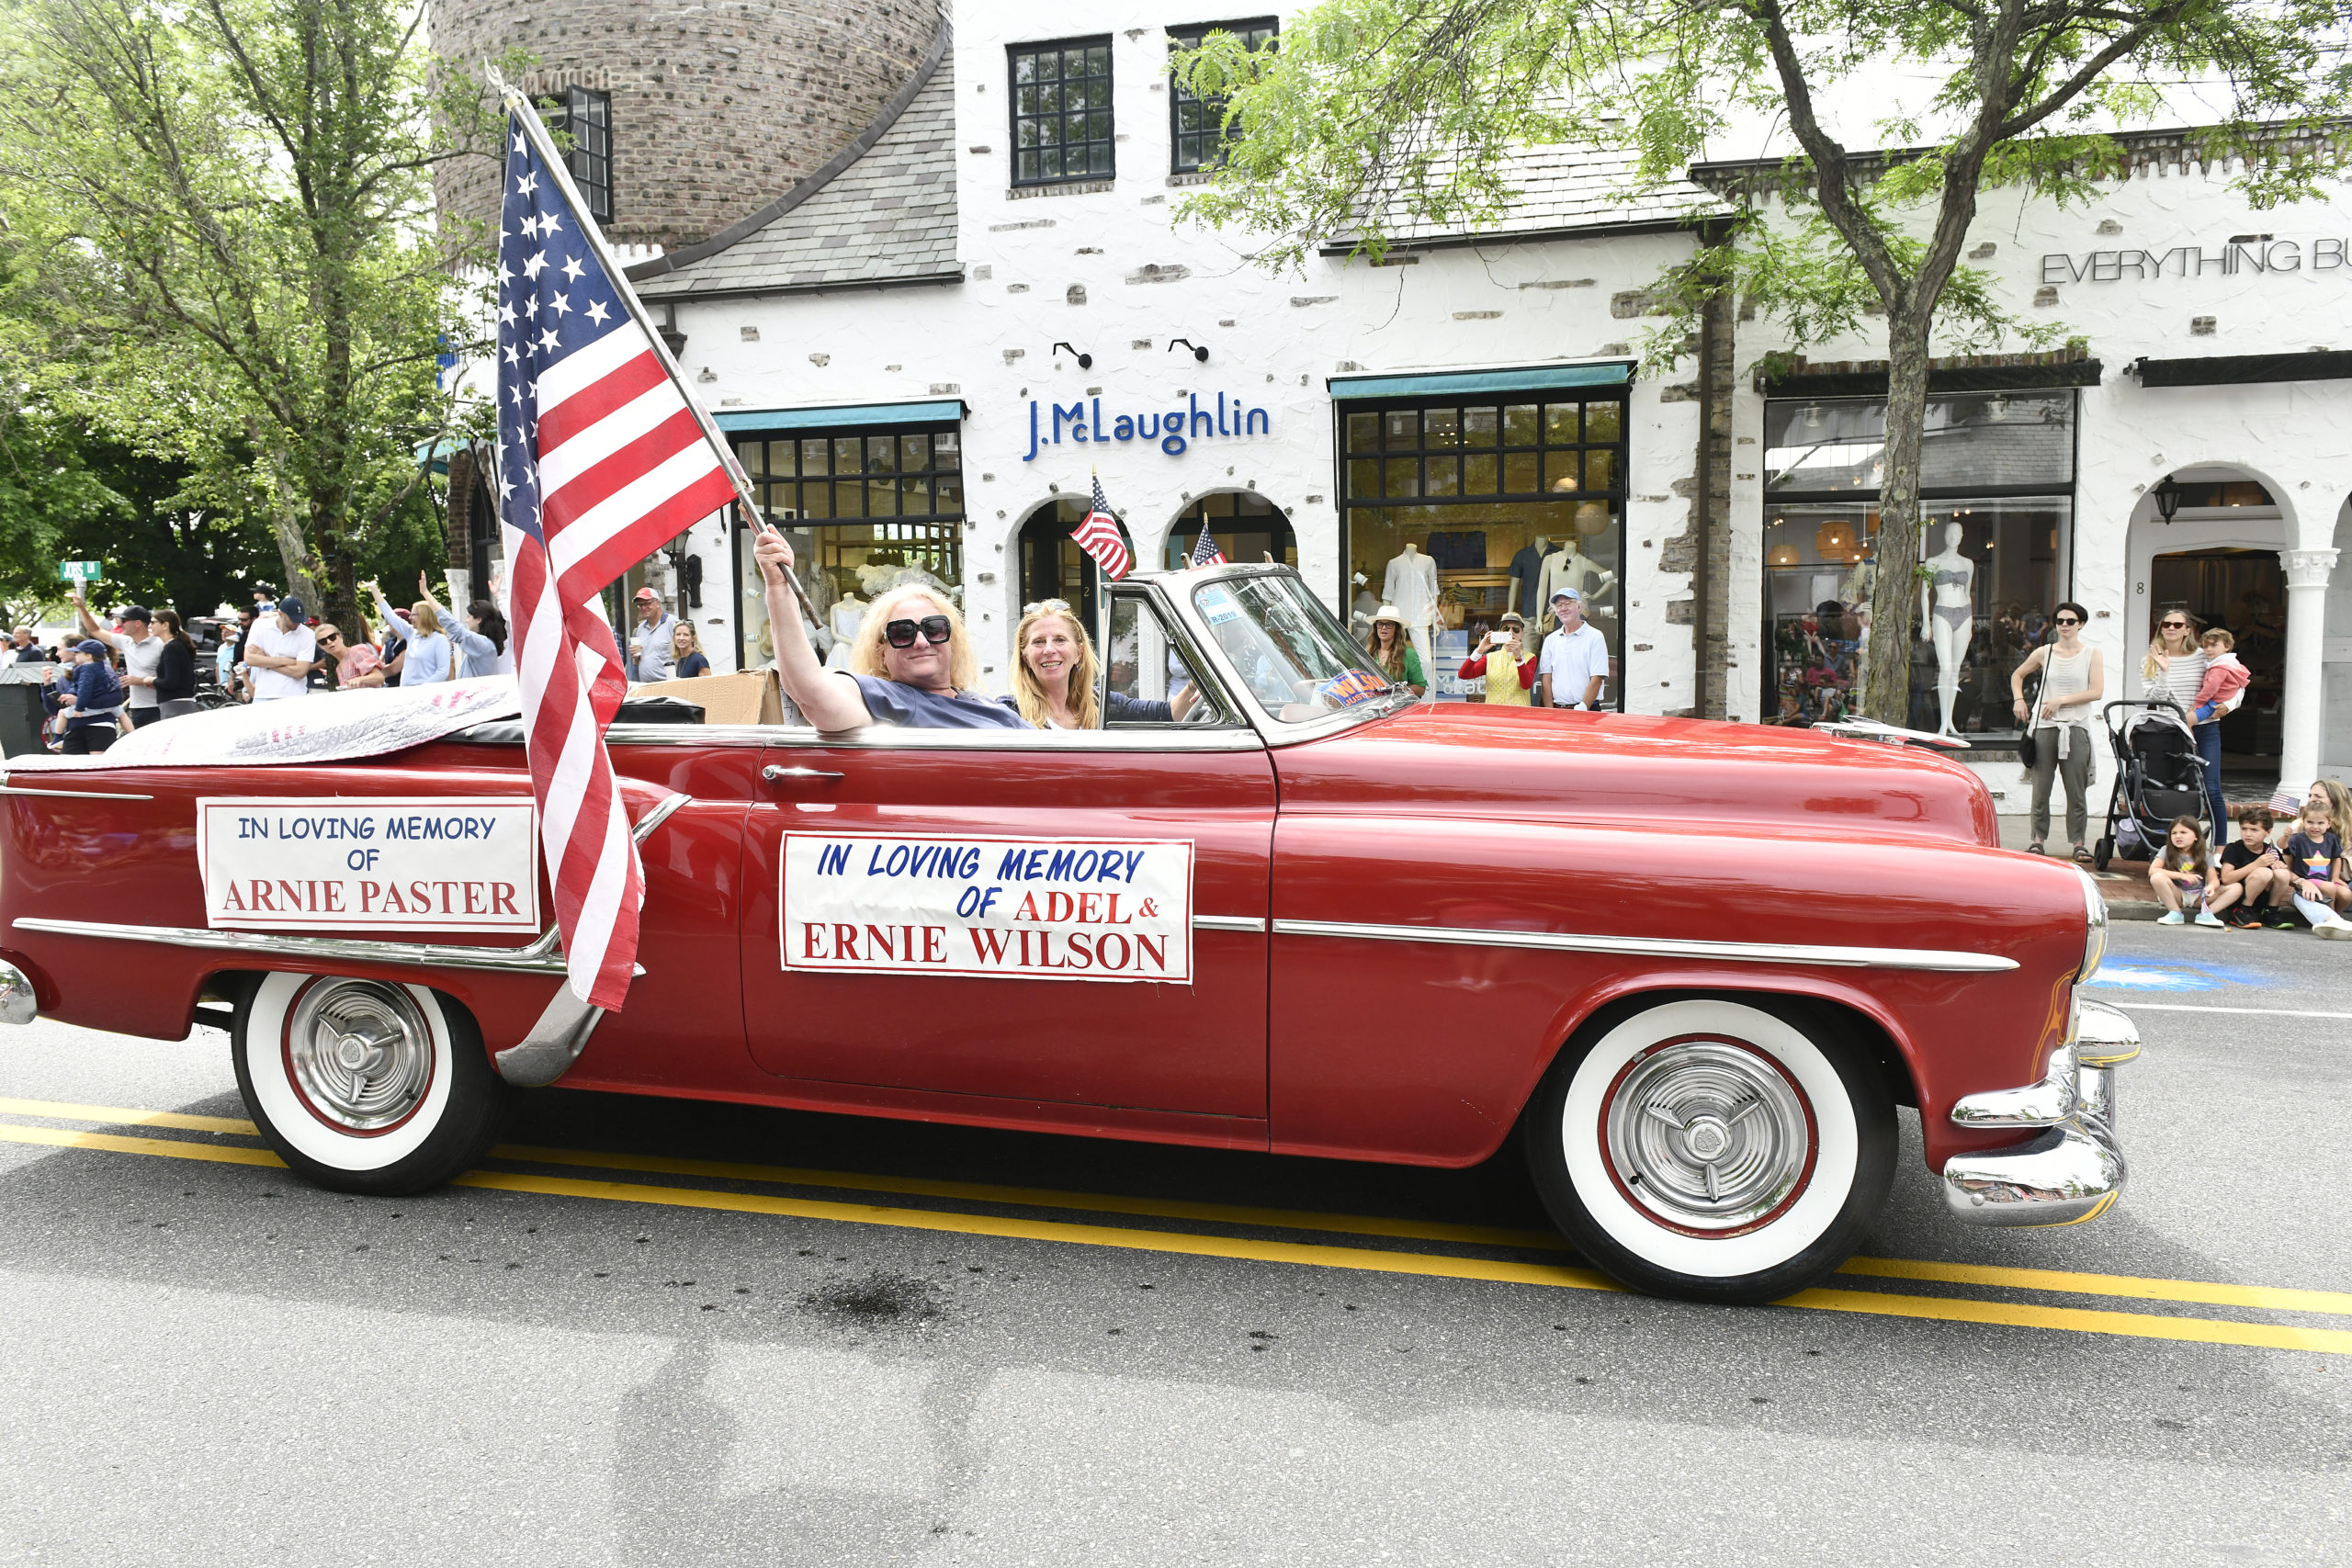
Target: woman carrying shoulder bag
x=2073 y=681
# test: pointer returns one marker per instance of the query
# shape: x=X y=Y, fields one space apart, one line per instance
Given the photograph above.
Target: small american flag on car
x=1206 y=553
x=1098 y=535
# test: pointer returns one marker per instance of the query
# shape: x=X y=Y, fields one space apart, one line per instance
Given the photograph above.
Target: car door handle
x=773 y=773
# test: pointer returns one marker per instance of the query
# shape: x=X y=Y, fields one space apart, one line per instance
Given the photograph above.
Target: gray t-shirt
x=895 y=702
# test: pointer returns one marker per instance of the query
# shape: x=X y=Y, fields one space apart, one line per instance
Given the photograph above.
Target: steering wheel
x=1203 y=711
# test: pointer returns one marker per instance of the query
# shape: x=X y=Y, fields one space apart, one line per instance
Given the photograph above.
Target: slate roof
x=1564 y=189
x=881 y=212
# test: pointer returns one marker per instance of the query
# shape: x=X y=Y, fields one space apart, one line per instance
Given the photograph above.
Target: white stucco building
x=928 y=351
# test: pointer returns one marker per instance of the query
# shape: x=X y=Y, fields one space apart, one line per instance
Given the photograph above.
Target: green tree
x=230 y=205
x=1379 y=116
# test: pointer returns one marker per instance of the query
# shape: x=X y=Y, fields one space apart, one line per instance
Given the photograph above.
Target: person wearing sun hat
x=1392 y=655
x=1503 y=664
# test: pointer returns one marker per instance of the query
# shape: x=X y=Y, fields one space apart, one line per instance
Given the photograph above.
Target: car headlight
x=2095 y=927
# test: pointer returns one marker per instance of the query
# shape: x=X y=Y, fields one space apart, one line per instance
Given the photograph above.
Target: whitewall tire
x=1715 y=1150
x=364 y=1086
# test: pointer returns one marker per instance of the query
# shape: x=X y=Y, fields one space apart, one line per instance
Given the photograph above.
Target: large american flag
x=1098 y=535
x=600 y=461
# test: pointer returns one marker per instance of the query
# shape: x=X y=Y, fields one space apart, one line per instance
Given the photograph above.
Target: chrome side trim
x=72 y=794
x=1654 y=947
x=1227 y=923
x=658 y=815
x=555 y=1042
x=544 y=956
x=17 y=1004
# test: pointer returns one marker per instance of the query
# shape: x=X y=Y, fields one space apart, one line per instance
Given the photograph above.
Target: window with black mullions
x=1061 y=112
x=1196 y=124
x=585 y=116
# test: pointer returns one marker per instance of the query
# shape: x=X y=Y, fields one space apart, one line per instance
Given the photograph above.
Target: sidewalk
x=2124 y=883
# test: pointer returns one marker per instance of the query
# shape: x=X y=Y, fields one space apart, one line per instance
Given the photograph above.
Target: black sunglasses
x=902 y=634
x=2068 y=621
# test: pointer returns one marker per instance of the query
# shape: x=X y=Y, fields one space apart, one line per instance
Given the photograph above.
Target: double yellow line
x=1949 y=1309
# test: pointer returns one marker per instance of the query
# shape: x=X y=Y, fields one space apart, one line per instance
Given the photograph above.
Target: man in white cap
x=651 y=655
x=1575 y=662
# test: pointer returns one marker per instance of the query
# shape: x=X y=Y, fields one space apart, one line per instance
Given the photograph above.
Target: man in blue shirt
x=651 y=655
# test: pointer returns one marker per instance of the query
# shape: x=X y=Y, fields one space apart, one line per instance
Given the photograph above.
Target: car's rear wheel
x=364 y=1086
x=1715 y=1150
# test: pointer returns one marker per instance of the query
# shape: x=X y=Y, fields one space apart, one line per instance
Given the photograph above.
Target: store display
x=1947 y=618
x=847 y=616
x=1526 y=578
x=1570 y=568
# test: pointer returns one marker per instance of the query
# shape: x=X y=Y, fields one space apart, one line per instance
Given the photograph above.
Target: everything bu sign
x=1013 y=909
x=407 y=865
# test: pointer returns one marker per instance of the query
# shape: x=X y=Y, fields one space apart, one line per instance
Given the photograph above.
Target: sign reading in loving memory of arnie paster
x=1009 y=907
x=455 y=864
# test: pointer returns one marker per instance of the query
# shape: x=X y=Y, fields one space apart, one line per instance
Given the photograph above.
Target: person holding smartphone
x=2254 y=865
x=1502 y=661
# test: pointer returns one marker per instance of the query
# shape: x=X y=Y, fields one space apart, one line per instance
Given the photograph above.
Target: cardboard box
x=751 y=697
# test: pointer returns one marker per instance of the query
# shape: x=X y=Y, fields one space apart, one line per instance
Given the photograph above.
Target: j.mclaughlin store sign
x=2239 y=255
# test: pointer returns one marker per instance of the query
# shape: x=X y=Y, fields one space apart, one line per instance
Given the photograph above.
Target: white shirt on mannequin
x=1412 y=586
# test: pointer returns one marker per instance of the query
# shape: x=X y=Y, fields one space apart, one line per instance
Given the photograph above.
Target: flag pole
x=527 y=115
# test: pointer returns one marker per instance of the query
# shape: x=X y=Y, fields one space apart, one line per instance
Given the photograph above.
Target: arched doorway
x=2218 y=557
x=1052 y=565
x=1245 y=525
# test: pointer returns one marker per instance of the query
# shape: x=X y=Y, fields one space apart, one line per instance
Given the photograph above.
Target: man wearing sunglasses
x=912 y=665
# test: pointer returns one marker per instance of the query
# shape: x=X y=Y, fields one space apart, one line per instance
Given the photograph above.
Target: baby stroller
x=2157 y=777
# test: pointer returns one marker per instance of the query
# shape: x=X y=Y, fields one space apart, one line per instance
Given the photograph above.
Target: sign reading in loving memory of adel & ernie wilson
x=459 y=863
x=1118 y=909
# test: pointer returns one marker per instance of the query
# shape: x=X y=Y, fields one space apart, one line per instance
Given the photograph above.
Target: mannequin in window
x=1948 y=617
x=1360 y=614
x=848 y=614
x=1411 y=587
x=1527 y=577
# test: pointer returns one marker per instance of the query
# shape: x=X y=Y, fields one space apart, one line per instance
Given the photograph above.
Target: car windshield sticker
x=1102 y=909
x=1355 y=686
x=449 y=863
x=1217 y=606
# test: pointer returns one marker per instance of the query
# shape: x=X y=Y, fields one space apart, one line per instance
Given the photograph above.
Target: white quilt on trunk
x=324 y=726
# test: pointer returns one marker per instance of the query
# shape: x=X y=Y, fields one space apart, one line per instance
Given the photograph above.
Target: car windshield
x=1290 y=653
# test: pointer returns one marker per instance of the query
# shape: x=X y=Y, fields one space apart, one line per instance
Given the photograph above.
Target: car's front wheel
x=1713 y=1150
x=363 y=1086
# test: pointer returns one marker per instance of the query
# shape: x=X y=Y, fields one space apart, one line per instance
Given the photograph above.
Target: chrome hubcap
x=361 y=1053
x=1708 y=1135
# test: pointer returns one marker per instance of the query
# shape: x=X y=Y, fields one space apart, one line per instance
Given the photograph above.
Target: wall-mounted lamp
x=2168 y=497
x=1200 y=354
x=1085 y=361
x=671 y=338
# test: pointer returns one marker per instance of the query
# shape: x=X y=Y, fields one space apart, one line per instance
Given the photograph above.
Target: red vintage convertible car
x=1697 y=966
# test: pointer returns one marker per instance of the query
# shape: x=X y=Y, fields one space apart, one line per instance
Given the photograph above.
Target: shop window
x=585 y=116
x=1530 y=487
x=1061 y=112
x=1245 y=525
x=861 y=507
x=1053 y=566
x=1997 y=533
x=1197 y=130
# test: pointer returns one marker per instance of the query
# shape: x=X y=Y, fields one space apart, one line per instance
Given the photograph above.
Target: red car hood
x=1472 y=760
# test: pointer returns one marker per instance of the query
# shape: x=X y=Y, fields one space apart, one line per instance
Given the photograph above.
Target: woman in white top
x=2175 y=664
x=2074 y=682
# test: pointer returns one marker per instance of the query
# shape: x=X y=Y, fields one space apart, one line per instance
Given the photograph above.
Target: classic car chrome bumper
x=2075 y=1170
x=17 y=1004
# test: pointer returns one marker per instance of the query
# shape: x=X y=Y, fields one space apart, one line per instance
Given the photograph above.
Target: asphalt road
x=612 y=1355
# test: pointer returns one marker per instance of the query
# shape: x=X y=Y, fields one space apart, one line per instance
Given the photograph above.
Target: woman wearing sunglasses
x=2074 y=682
x=1053 y=687
x=911 y=664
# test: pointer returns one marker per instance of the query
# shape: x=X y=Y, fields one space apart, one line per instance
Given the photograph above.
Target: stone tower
x=717 y=107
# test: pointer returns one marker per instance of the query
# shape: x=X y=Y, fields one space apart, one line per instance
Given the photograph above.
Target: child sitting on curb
x=2183 y=874
x=2316 y=873
x=2254 y=866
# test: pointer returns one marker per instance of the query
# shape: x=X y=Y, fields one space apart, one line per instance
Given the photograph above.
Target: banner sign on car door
x=1015 y=909
x=364 y=867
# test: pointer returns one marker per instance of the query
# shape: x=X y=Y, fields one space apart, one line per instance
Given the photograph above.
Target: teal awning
x=750 y=421
x=1447 y=384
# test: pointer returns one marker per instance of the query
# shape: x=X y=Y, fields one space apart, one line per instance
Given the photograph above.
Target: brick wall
x=718 y=108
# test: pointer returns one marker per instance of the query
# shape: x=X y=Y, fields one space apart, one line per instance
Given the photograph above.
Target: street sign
x=80 y=571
